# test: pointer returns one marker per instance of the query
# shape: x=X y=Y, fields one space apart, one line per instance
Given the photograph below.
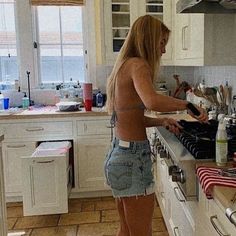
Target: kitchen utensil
x=230 y=172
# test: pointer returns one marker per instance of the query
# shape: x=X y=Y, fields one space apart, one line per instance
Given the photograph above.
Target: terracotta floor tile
x=27 y=231
x=160 y=234
x=36 y=221
x=101 y=229
x=157 y=212
x=110 y=216
x=11 y=222
x=55 y=231
x=79 y=218
x=14 y=204
x=74 y=205
x=158 y=225
x=109 y=198
x=88 y=206
x=91 y=199
x=16 y=211
x=105 y=205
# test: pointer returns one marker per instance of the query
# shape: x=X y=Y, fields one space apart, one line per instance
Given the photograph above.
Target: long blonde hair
x=143 y=41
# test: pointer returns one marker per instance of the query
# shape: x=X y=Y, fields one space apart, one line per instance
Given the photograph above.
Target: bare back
x=129 y=107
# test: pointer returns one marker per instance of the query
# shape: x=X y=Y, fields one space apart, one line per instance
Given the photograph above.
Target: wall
x=213 y=75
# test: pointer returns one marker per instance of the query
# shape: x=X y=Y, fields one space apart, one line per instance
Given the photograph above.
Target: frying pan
x=198 y=136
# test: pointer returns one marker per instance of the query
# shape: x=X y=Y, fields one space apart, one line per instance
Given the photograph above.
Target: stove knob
x=173 y=168
x=178 y=176
x=163 y=153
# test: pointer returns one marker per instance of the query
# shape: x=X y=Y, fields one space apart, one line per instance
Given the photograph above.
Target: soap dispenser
x=25 y=101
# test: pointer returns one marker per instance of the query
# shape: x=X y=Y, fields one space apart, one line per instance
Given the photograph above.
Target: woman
x=129 y=92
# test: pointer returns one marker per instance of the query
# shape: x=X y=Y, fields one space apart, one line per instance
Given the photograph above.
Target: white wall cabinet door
x=12 y=153
x=92 y=152
x=119 y=17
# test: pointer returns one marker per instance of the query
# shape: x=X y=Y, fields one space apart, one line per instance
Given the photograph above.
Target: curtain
x=57 y=2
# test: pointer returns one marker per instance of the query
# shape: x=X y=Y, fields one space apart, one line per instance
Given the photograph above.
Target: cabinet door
x=12 y=153
x=119 y=15
x=91 y=156
x=180 y=218
x=218 y=220
x=45 y=185
x=117 y=21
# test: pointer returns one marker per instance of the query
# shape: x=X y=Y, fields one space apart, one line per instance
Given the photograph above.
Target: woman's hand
x=172 y=125
x=202 y=117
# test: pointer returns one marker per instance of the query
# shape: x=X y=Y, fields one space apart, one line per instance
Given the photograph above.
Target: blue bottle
x=99 y=99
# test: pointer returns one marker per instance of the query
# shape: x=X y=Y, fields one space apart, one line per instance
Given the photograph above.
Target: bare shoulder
x=137 y=62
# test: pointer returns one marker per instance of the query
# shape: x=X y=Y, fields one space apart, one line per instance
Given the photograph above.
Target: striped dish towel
x=209 y=177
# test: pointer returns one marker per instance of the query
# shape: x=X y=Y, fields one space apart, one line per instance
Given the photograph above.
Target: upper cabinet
x=195 y=39
x=204 y=39
x=119 y=15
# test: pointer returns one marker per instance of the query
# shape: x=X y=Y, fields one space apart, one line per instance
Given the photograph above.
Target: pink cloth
x=209 y=177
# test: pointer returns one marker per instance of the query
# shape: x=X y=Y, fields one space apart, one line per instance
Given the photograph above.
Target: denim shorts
x=128 y=168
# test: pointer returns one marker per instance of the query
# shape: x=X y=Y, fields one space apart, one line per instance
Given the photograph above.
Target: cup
x=88 y=104
x=6 y=103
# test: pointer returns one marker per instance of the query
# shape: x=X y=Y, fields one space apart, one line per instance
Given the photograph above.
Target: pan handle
x=193 y=109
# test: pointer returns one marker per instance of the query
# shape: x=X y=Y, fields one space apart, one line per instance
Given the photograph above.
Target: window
x=60 y=44
x=8 y=54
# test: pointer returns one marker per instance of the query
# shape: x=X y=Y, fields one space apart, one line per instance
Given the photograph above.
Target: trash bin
x=47 y=179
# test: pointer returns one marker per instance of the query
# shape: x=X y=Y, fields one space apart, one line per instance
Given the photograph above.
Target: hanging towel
x=209 y=177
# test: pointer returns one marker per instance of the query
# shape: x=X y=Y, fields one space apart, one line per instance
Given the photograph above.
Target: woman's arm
x=169 y=123
x=142 y=80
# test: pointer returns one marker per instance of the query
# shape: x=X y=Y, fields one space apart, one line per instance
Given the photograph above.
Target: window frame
x=26 y=35
x=37 y=50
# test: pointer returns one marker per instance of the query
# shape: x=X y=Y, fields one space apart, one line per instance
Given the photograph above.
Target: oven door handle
x=177 y=195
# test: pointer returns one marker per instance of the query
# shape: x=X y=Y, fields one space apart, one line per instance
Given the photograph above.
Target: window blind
x=57 y=2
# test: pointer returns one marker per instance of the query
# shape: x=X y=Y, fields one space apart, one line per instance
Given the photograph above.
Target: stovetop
x=199 y=139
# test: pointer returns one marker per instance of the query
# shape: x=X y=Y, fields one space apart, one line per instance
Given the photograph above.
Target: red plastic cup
x=88 y=104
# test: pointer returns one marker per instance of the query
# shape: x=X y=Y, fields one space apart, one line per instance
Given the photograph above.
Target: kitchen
x=210 y=60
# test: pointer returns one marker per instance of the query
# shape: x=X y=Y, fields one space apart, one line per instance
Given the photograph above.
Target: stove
x=181 y=153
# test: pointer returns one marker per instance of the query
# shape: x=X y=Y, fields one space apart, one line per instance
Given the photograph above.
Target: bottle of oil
x=221 y=144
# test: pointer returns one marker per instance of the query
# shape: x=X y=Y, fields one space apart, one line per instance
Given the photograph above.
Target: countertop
x=225 y=195
x=49 y=112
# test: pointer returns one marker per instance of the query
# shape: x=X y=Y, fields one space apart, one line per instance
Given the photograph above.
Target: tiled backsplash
x=213 y=75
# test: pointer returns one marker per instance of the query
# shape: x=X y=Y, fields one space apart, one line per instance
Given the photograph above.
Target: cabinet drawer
x=219 y=221
x=98 y=127
x=38 y=129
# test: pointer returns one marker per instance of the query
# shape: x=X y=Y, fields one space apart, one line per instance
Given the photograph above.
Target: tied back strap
x=113 y=123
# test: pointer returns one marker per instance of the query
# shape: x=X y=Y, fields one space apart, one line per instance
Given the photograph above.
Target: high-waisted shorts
x=128 y=168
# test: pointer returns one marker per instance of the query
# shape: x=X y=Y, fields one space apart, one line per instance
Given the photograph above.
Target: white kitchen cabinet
x=182 y=222
x=3 y=210
x=92 y=152
x=204 y=39
x=211 y=218
x=12 y=153
x=46 y=183
x=119 y=15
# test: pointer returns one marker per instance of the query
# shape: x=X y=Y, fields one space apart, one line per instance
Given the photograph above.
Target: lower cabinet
x=211 y=219
x=91 y=153
x=12 y=153
x=46 y=184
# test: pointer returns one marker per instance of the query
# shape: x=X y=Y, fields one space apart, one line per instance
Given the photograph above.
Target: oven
x=181 y=153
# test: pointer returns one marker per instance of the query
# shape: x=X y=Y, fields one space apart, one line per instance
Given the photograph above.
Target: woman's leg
x=138 y=214
x=123 y=230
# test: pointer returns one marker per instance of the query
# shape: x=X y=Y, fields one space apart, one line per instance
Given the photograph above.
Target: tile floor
x=86 y=217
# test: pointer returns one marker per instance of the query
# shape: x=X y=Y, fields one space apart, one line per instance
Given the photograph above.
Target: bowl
x=68 y=106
